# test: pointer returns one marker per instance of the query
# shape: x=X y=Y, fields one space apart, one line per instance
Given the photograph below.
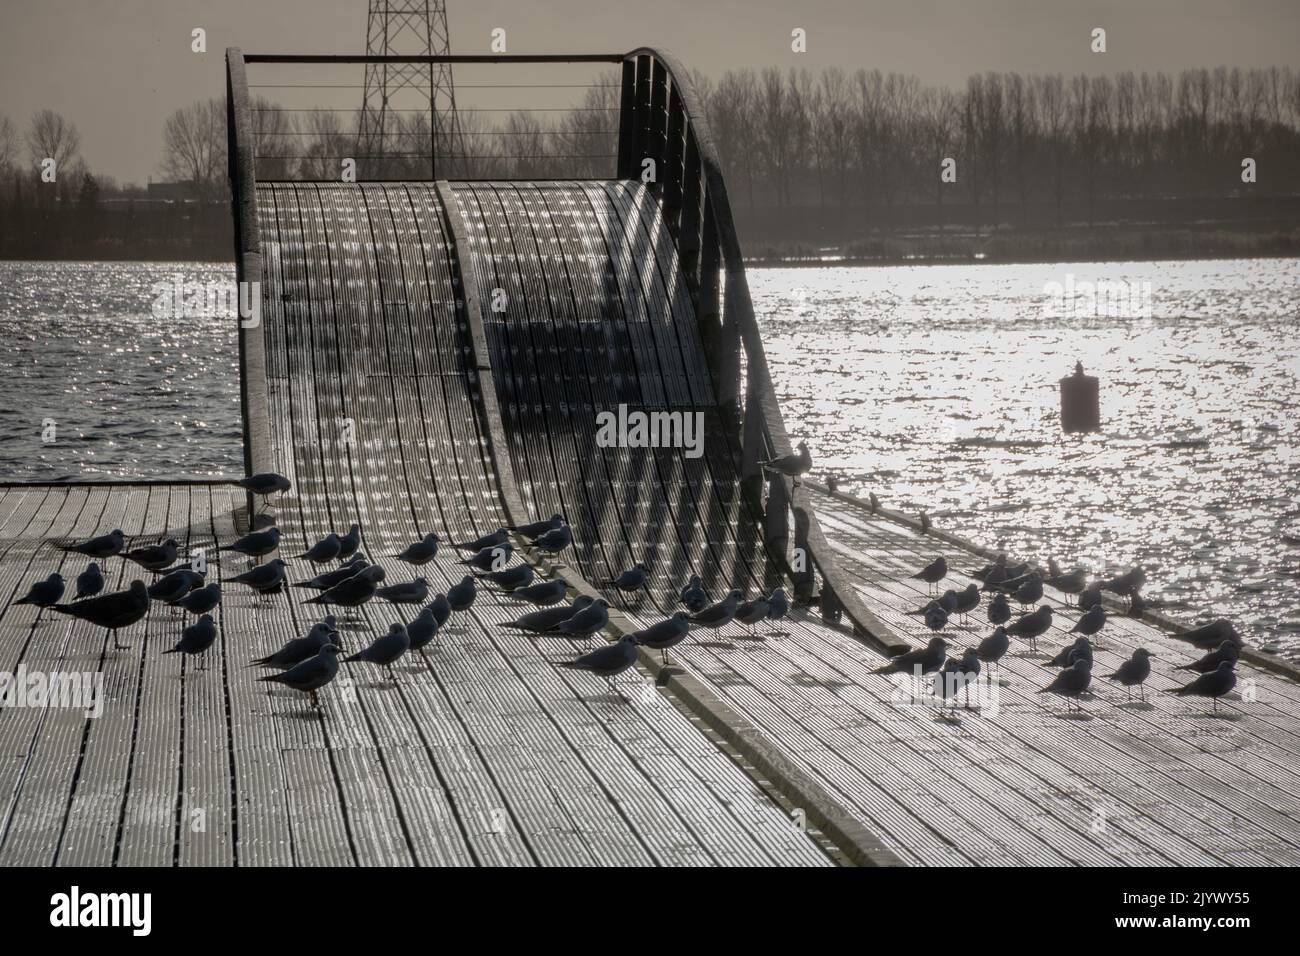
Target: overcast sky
x=116 y=68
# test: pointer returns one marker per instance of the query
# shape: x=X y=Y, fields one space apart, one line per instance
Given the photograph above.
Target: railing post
x=753 y=449
x=627 y=121
x=688 y=230
x=641 y=139
x=776 y=516
x=801 y=569
x=658 y=127
x=673 y=154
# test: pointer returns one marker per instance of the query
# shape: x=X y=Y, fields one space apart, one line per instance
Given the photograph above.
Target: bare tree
x=194 y=147
x=50 y=136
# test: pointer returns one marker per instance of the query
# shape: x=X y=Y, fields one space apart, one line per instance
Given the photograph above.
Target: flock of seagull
x=309 y=663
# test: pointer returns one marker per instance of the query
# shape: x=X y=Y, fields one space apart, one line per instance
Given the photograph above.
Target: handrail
x=434 y=58
x=764 y=431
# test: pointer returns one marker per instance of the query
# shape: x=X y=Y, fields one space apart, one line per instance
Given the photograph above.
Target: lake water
x=933 y=386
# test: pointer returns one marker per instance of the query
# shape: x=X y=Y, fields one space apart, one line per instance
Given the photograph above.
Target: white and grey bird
x=327 y=580
x=1134 y=672
x=608 y=661
x=265 y=579
x=490 y=559
x=555 y=540
x=385 y=649
x=543 y=594
x=461 y=596
x=200 y=600
x=752 y=613
x=1226 y=651
x=665 y=634
x=196 y=638
x=536 y=529
x=538 y=622
x=777 y=605
x=719 y=614
x=349 y=542
x=45 y=593
x=407 y=592
x=1071 y=682
x=493 y=540
x=300 y=648
x=584 y=622
x=1214 y=684
x=324 y=550
x=256 y=544
x=693 y=596
x=508 y=579
x=793 y=465
x=353 y=591
x=266 y=483
x=104 y=546
x=310 y=675
x=420 y=552
x=155 y=557
x=112 y=611
x=90 y=581
x=633 y=579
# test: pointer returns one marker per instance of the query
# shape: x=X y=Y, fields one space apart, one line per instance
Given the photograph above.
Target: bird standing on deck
x=1032 y=625
x=493 y=540
x=1071 y=682
x=719 y=614
x=539 y=622
x=752 y=613
x=349 y=542
x=492 y=558
x=792 y=466
x=461 y=596
x=631 y=580
x=90 y=581
x=665 y=634
x=1213 y=684
x=266 y=484
x=326 y=549
x=510 y=579
x=441 y=608
x=196 y=638
x=947 y=600
x=928 y=658
x=407 y=592
x=323 y=582
x=999 y=609
x=45 y=593
x=1030 y=590
x=967 y=601
x=934 y=572
x=112 y=611
x=1127 y=584
x=1090 y=622
x=536 y=529
x=693 y=597
x=1071 y=583
x=1080 y=649
x=200 y=600
x=310 y=675
x=105 y=546
x=1090 y=598
x=301 y=648
x=543 y=593
x=385 y=649
x=265 y=579
x=555 y=540
x=608 y=661
x=155 y=557
x=956 y=674
x=1211 y=635
x=1226 y=651
x=993 y=647
x=353 y=591
x=423 y=629
x=1134 y=672
x=257 y=544
x=584 y=622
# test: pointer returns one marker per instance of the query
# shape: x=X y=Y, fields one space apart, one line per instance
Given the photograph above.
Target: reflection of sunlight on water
x=936 y=386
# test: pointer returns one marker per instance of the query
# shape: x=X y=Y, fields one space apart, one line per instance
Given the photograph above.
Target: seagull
x=105 y=546
x=257 y=544
x=633 y=579
x=585 y=622
x=777 y=606
x=752 y=612
x=267 y=483
x=385 y=649
x=543 y=593
x=310 y=675
x=1032 y=625
x=720 y=614
x=510 y=579
x=538 y=528
x=1090 y=622
x=1134 y=671
x=1213 y=684
x=993 y=647
x=264 y=579
x=323 y=582
x=423 y=629
x=665 y=634
x=201 y=600
x=537 y=622
x=1072 y=681
x=608 y=661
x=924 y=522
x=936 y=618
x=928 y=658
x=983 y=573
x=408 y=592
x=349 y=543
x=1126 y=584
x=1072 y=583
x=999 y=609
x=1080 y=649
x=90 y=581
x=874 y=502
x=934 y=572
x=947 y=601
x=1089 y=598
x=326 y=549
x=1226 y=651
x=490 y=559
x=555 y=540
x=174 y=585
x=353 y=591
x=967 y=601
x=792 y=466
x=494 y=540
x=112 y=611
x=1030 y=591
x=156 y=557
x=301 y=648
x=196 y=638
x=441 y=608
x=693 y=597
x=1211 y=635
x=461 y=596
x=45 y=593
x=957 y=674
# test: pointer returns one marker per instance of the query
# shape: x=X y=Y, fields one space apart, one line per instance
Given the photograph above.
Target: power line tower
x=400 y=97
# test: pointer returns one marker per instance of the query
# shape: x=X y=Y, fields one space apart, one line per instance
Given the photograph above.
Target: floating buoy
x=1080 y=402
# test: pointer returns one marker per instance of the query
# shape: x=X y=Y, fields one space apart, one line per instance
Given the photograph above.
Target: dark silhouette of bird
x=441 y=608
x=537 y=622
x=1211 y=635
x=1090 y=598
x=928 y=658
x=200 y=600
x=196 y=638
x=385 y=649
x=934 y=572
x=327 y=580
x=257 y=544
x=420 y=552
x=543 y=594
x=490 y=559
x=1081 y=648
x=1126 y=584
x=1226 y=651
x=957 y=674
x=113 y=611
x=752 y=613
x=693 y=596
x=1071 y=682
x=508 y=579
x=155 y=557
x=1053 y=569
x=555 y=540
x=1071 y=583
x=90 y=581
x=947 y=601
x=349 y=542
x=326 y=549
x=353 y=591
x=608 y=661
x=266 y=483
x=1134 y=672
x=936 y=618
x=633 y=579
x=664 y=635
x=874 y=502
x=1030 y=591
x=1090 y=621
x=461 y=596
x=310 y=675
x=494 y=540
x=993 y=647
x=105 y=546
x=536 y=529
x=999 y=610
x=924 y=522
x=1213 y=684
x=45 y=593
x=174 y=585
x=265 y=579
x=407 y=592
x=301 y=648
x=423 y=629
x=1032 y=625
x=983 y=573
x=719 y=614
x=968 y=599
x=793 y=465
x=584 y=622
x=777 y=605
